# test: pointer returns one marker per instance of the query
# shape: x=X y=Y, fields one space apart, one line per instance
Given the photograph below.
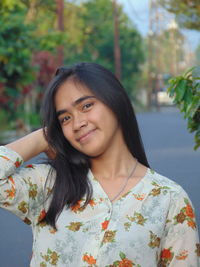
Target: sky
x=138 y=13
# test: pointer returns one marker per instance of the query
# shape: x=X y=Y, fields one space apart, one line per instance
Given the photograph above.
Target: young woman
x=96 y=202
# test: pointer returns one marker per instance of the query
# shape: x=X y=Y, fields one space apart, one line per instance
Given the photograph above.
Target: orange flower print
x=4 y=157
x=186 y=214
x=11 y=180
x=29 y=166
x=18 y=163
x=11 y=192
x=166 y=256
x=89 y=259
x=105 y=225
x=92 y=203
x=42 y=215
x=191 y=224
x=77 y=207
x=189 y=211
x=124 y=262
x=182 y=255
x=139 y=196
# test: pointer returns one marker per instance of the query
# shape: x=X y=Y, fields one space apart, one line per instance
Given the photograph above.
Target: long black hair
x=72 y=166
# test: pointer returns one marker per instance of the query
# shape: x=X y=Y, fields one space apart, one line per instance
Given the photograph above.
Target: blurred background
x=148 y=44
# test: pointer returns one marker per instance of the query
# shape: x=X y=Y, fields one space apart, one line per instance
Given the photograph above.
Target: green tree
x=21 y=39
x=186 y=92
x=93 y=21
x=29 y=39
x=187 y=12
x=16 y=47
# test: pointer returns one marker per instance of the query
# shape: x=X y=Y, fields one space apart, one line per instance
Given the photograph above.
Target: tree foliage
x=93 y=21
x=187 y=12
x=16 y=47
x=29 y=39
x=186 y=92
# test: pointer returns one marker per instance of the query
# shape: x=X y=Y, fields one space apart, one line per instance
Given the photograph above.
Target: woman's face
x=88 y=124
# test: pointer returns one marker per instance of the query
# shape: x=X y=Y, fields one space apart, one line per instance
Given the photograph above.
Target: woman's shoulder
x=169 y=185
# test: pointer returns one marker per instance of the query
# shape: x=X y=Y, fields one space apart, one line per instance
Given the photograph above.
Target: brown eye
x=64 y=119
x=87 y=106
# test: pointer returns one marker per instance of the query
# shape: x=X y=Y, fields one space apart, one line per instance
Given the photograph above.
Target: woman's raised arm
x=30 y=145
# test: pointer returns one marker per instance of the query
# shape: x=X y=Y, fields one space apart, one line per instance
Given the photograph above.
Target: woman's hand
x=50 y=152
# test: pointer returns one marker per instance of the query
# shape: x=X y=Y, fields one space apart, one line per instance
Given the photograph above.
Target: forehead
x=69 y=92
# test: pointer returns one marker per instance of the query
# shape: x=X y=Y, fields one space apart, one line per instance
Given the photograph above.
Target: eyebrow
x=75 y=103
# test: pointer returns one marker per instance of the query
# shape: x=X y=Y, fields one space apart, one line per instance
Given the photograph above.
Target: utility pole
x=155 y=63
x=60 y=25
x=117 y=51
x=150 y=57
x=172 y=28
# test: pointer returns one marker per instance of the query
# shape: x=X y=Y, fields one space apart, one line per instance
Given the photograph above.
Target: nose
x=79 y=121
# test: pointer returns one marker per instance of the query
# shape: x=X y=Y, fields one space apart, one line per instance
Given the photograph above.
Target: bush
x=186 y=92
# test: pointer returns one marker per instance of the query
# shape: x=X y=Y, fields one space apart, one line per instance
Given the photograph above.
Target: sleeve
x=22 y=190
x=180 y=244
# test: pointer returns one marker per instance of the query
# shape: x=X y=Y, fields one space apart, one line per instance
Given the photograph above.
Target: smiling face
x=88 y=124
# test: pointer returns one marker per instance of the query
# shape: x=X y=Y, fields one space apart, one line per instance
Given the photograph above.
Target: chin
x=92 y=153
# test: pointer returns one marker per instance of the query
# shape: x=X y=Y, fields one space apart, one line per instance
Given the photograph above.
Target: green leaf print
x=51 y=257
x=154 y=240
x=127 y=226
x=23 y=207
x=137 y=218
x=122 y=255
x=74 y=226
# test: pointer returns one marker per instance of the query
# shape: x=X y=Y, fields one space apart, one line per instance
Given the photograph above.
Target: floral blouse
x=151 y=225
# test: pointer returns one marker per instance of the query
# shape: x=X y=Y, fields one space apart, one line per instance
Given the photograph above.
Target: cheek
x=67 y=133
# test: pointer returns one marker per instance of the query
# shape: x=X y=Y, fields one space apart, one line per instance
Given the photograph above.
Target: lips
x=85 y=136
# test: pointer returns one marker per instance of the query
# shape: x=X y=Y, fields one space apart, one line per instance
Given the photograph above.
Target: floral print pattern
x=154 y=240
x=89 y=259
x=51 y=257
x=104 y=225
x=124 y=262
x=197 y=250
x=137 y=218
x=109 y=237
x=186 y=214
x=156 y=215
x=166 y=256
x=74 y=226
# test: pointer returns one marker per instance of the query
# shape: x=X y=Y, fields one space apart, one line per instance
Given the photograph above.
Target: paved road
x=170 y=152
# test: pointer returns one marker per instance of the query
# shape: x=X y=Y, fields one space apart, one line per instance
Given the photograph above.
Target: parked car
x=163 y=97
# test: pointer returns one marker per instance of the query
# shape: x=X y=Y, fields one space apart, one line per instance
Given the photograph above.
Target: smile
x=84 y=138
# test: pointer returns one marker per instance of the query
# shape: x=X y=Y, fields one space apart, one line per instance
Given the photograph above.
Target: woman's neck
x=115 y=163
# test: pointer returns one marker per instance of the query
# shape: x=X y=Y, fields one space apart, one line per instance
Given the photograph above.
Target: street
x=169 y=149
